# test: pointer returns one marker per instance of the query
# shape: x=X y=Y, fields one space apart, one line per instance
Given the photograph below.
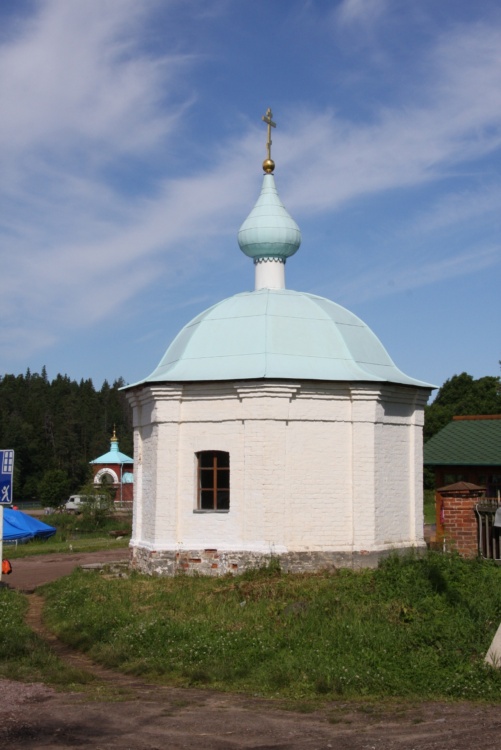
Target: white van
x=75 y=503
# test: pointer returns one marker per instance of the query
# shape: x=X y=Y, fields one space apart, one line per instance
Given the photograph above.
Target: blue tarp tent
x=21 y=527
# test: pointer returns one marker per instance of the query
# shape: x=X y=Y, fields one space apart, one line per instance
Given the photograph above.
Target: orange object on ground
x=6 y=568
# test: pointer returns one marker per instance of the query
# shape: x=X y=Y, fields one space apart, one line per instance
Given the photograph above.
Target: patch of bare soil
x=153 y=718
x=30 y=572
x=124 y=713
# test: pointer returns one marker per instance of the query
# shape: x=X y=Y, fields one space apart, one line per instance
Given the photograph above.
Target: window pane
x=223 y=460
x=206 y=478
x=223 y=500
x=223 y=479
x=206 y=459
x=207 y=500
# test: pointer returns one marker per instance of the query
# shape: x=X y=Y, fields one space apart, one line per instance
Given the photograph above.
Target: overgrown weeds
x=415 y=627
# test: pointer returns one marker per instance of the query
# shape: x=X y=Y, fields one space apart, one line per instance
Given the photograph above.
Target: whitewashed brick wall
x=313 y=466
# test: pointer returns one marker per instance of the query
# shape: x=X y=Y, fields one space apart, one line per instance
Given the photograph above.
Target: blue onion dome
x=269 y=231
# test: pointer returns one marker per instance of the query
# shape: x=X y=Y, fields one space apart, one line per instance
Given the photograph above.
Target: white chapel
x=275 y=426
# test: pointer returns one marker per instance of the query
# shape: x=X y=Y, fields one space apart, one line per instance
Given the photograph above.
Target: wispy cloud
x=75 y=71
x=362 y=12
x=455 y=210
x=453 y=117
x=395 y=277
x=79 y=96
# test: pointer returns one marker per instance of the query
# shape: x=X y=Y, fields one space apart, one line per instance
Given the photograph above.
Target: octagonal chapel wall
x=320 y=474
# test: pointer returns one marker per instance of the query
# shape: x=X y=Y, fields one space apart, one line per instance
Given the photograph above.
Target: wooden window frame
x=213 y=489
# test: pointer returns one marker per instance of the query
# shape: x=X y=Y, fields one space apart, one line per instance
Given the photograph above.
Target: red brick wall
x=127 y=492
x=457 y=524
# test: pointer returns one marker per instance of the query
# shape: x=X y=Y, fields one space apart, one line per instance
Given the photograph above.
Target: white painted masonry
x=324 y=468
x=269 y=273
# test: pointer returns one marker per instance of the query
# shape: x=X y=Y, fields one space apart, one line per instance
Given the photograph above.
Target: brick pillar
x=459 y=525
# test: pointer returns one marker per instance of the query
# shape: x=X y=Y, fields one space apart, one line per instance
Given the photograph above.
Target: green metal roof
x=114 y=456
x=278 y=333
x=465 y=442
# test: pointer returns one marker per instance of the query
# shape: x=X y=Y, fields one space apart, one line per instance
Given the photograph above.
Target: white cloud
x=96 y=266
x=360 y=11
x=75 y=72
x=78 y=94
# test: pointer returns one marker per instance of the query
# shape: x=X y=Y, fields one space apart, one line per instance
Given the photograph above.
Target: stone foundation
x=213 y=562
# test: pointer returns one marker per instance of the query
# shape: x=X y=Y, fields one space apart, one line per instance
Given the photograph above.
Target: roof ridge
x=476 y=416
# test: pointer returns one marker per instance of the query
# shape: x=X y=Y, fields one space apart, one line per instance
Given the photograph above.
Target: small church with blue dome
x=115 y=470
x=276 y=425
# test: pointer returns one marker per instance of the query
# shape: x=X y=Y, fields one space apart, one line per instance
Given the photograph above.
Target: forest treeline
x=56 y=427
x=459 y=396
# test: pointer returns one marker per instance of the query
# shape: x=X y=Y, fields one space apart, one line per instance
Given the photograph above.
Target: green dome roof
x=269 y=231
x=275 y=334
x=114 y=455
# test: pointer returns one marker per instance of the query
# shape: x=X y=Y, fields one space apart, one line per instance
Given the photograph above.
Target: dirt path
x=30 y=572
x=134 y=715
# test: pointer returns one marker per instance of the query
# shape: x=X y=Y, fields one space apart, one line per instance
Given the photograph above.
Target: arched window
x=213 y=480
x=106 y=479
x=106 y=475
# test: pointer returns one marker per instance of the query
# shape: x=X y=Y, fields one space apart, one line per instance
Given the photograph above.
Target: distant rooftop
x=466 y=441
x=114 y=456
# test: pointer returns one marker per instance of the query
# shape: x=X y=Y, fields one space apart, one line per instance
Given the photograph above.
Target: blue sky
x=131 y=145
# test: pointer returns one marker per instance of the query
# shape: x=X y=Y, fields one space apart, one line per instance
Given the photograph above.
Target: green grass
x=74 y=534
x=414 y=628
x=429 y=506
x=24 y=656
x=54 y=546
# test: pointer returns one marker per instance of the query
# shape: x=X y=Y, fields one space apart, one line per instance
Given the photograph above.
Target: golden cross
x=267 y=119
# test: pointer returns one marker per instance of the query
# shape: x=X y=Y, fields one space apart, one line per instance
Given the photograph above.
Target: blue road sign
x=6 y=472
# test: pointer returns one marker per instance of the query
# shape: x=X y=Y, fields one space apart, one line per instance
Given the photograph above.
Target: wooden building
x=468 y=449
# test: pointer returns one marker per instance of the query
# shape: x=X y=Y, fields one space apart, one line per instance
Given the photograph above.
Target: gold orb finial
x=269 y=164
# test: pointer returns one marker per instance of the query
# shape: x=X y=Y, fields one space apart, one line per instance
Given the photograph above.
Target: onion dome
x=269 y=235
x=269 y=231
